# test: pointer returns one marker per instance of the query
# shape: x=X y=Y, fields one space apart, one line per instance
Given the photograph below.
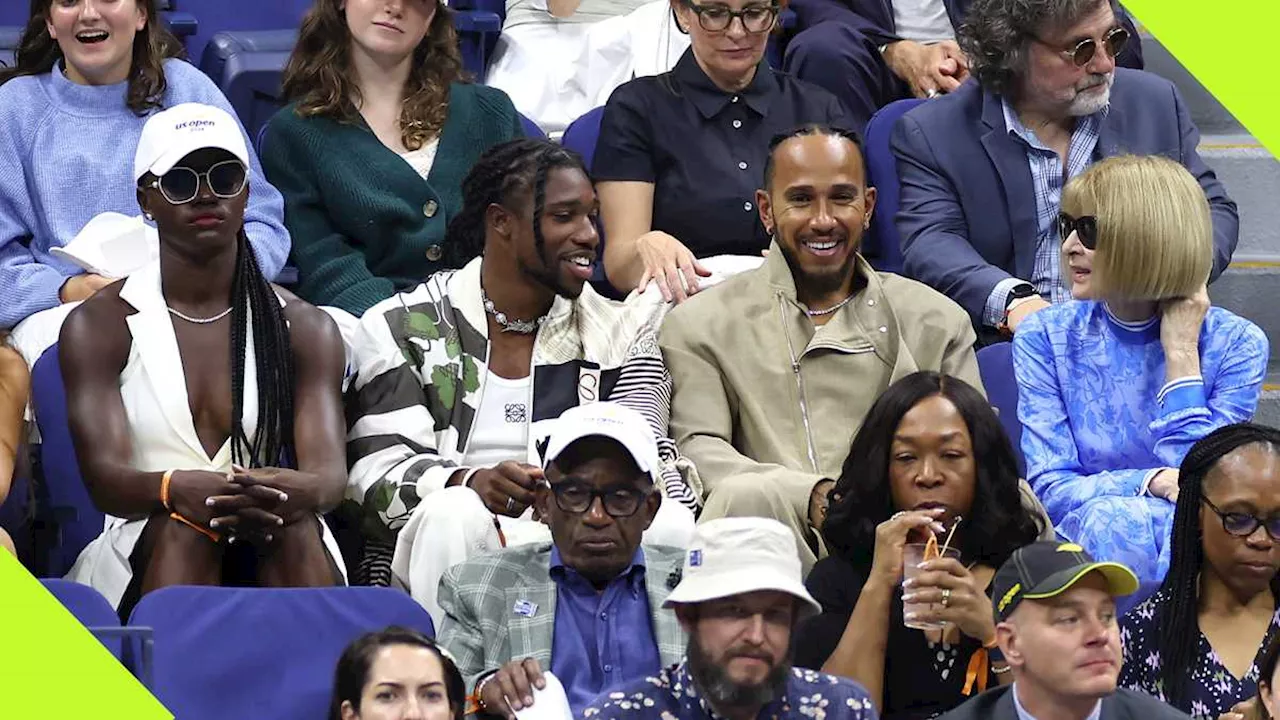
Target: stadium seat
x=531 y=128
x=65 y=496
x=581 y=137
x=881 y=245
x=260 y=653
x=995 y=364
x=89 y=608
x=182 y=24
x=9 y=37
x=248 y=67
x=777 y=46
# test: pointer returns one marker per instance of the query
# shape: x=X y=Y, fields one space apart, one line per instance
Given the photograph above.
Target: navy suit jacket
x=967 y=208
x=1123 y=704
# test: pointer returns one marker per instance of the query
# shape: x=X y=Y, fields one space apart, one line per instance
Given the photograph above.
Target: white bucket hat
x=733 y=556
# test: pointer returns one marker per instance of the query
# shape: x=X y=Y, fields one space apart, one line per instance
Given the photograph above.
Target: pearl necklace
x=833 y=308
x=200 y=321
x=522 y=327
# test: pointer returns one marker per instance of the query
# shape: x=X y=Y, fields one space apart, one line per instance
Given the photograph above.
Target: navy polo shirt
x=704 y=149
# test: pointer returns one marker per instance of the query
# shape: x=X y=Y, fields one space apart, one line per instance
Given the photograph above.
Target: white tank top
x=502 y=422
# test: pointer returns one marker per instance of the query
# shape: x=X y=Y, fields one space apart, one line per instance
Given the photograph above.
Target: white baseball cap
x=738 y=555
x=610 y=420
x=175 y=133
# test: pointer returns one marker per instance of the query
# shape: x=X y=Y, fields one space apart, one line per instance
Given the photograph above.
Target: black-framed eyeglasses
x=182 y=184
x=717 y=18
x=578 y=497
x=1085 y=228
x=1244 y=524
x=1082 y=52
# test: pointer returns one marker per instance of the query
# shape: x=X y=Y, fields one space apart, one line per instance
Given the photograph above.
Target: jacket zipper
x=795 y=369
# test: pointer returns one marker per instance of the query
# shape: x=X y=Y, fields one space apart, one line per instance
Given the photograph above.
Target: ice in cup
x=914 y=554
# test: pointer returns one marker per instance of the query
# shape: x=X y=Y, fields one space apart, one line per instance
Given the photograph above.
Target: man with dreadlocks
x=458 y=379
x=206 y=413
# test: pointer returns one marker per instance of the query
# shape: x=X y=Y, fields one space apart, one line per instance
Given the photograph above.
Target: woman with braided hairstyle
x=1198 y=643
x=206 y=412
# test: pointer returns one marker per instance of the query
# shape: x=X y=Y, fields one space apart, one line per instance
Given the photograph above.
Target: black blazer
x=1123 y=704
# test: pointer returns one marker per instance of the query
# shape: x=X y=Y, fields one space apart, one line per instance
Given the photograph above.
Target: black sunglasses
x=182 y=184
x=577 y=497
x=1085 y=228
x=1082 y=52
x=1244 y=524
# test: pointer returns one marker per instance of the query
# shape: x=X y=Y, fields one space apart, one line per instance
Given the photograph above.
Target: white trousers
x=453 y=525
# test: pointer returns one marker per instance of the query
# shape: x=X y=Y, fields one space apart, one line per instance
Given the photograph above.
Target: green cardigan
x=364 y=224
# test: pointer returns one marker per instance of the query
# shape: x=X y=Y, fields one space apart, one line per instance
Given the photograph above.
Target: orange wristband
x=215 y=537
x=164 y=490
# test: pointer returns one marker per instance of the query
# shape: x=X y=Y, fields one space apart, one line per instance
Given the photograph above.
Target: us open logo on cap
x=194 y=124
x=695 y=558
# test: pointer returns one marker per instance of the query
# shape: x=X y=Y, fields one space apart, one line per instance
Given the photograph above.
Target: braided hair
x=515 y=167
x=255 y=305
x=1177 y=617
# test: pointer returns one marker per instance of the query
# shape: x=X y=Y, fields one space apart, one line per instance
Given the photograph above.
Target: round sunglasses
x=1085 y=228
x=1082 y=52
x=181 y=185
x=1244 y=524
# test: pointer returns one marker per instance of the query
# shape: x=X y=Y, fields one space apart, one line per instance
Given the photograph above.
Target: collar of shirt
x=710 y=99
x=632 y=574
x=1024 y=715
x=1013 y=124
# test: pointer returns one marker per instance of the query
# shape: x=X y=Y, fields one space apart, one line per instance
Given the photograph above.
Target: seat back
x=581 y=137
x=531 y=128
x=88 y=607
x=248 y=67
x=260 y=653
x=881 y=245
x=78 y=521
x=9 y=37
x=995 y=364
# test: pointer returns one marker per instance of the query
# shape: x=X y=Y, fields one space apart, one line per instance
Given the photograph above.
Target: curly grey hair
x=996 y=33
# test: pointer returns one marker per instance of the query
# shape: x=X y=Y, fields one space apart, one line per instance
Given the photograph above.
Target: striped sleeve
x=391 y=442
x=644 y=385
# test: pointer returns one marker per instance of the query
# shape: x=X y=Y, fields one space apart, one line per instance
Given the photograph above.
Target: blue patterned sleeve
x=1188 y=414
x=1053 y=463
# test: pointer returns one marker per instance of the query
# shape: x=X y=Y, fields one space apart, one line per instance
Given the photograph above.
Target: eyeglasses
x=717 y=18
x=1085 y=228
x=577 y=498
x=1244 y=524
x=181 y=184
x=1082 y=52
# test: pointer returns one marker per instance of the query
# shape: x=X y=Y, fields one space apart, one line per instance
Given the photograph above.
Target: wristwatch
x=1018 y=292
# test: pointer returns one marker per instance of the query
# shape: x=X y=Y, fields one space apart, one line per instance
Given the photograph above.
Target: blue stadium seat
x=248 y=67
x=531 y=128
x=89 y=608
x=995 y=364
x=182 y=24
x=78 y=521
x=581 y=137
x=9 y=37
x=260 y=653
x=777 y=46
x=881 y=245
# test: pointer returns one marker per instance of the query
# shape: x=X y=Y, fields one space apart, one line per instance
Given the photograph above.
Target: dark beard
x=818 y=284
x=547 y=276
x=723 y=692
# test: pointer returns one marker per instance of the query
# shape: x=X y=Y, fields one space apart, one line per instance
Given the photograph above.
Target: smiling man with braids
x=206 y=414
x=458 y=379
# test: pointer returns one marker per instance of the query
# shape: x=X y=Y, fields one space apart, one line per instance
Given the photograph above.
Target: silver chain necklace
x=199 y=321
x=833 y=308
x=521 y=327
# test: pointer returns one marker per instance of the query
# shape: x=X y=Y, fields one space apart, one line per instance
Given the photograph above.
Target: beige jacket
x=758 y=390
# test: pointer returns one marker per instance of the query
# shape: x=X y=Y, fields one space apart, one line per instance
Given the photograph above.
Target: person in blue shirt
x=740 y=599
x=1116 y=385
x=588 y=606
x=1200 y=642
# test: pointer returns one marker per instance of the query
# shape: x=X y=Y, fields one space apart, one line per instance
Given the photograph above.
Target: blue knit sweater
x=1099 y=420
x=66 y=155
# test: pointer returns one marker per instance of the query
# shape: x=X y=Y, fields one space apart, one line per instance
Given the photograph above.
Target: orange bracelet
x=164 y=489
x=215 y=537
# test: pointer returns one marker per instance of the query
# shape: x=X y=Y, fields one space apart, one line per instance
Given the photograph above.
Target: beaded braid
x=517 y=165
x=256 y=306
x=1178 y=617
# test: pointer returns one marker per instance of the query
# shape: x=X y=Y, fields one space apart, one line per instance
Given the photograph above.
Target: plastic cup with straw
x=913 y=555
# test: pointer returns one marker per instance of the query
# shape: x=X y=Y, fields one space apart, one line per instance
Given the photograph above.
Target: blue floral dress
x=1099 y=420
x=1212 y=690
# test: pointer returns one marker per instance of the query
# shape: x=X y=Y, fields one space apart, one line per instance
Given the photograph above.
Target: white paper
x=549 y=703
x=112 y=245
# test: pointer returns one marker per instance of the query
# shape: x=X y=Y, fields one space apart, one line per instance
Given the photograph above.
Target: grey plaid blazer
x=502 y=606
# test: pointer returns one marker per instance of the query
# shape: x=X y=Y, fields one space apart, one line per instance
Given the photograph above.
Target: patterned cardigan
x=420 y=361
x=483 y=630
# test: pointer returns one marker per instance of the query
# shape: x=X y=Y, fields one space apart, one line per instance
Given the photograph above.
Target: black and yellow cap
x=1047 y=568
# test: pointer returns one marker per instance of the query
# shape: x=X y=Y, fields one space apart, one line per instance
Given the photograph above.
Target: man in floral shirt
x=739 y=600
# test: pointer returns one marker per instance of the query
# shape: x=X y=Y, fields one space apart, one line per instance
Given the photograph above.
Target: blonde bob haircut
x=1155 y=235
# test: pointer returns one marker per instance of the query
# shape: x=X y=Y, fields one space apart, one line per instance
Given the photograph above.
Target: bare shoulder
x=98 y=325
x=310 y=328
